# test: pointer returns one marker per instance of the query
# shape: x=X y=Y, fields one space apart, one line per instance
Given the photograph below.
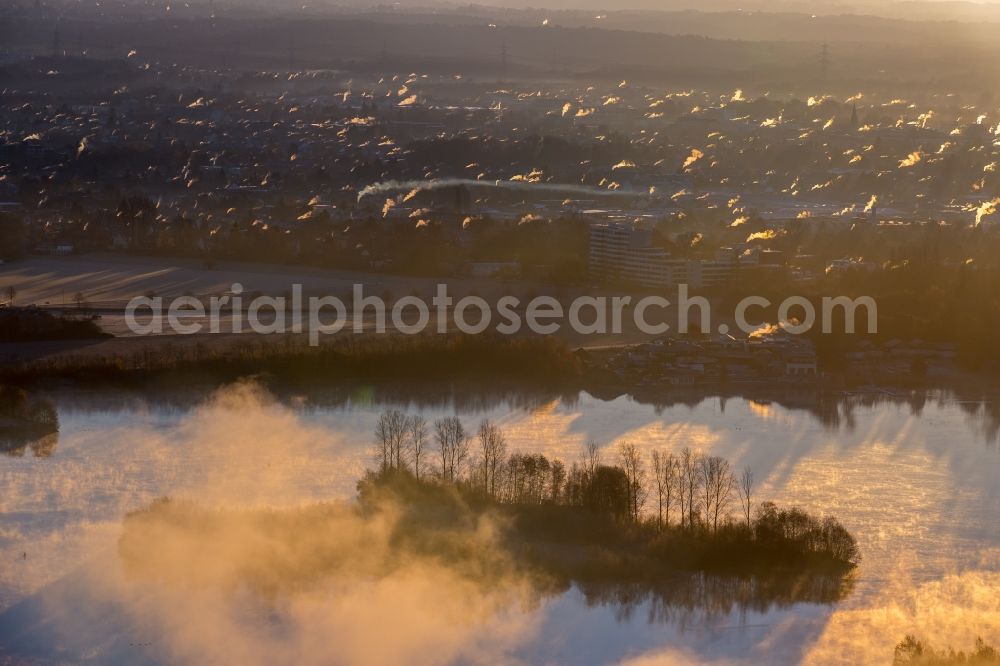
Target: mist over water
x=929 y=540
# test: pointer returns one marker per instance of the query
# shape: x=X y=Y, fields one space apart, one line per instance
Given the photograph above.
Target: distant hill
x=684 y=48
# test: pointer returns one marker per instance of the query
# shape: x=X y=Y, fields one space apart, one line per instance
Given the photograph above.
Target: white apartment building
x=621 y=252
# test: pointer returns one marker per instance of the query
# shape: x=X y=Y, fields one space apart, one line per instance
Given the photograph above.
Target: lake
x=915 y=478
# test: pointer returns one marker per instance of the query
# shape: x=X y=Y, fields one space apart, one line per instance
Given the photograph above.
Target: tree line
x=544 y=360
x=687 y=491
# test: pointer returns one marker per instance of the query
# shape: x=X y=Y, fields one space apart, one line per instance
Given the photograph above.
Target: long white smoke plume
x=390 y=186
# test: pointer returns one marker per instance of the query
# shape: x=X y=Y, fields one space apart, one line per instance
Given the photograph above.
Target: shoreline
x=444 y=367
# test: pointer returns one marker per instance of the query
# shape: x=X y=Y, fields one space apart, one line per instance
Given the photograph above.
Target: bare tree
x=461 y=453
x=724 y=494
x=557 y=478
x=591 y=457
x=390 y=439
x=707 y=471
x=746 y=491
x=658 y=463
x=635 y=472
x=689 y=483
x=453 y=446
x=417 y=441
x=671 y=467
x=493 y=450
x=444 y=434
x=681 y=486
x=11 y=295
x=665 y=471
x=717 y=485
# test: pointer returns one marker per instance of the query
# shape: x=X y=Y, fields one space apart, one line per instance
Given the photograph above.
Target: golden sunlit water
x=917 y=484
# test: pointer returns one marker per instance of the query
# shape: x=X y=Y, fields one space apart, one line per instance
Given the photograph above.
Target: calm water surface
x=916 y=480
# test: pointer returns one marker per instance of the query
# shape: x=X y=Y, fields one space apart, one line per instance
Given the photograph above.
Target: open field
x=107 y=282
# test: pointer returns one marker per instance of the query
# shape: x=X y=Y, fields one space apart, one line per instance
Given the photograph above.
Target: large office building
x=624 y=253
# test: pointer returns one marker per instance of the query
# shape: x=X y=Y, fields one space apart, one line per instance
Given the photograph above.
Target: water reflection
x=16 y=445
x=691 y=600
x=984 y=417
x=908 y=473
x=834 y=411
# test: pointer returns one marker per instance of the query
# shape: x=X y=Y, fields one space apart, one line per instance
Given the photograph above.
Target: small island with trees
x=684 y=532
x=589 y=521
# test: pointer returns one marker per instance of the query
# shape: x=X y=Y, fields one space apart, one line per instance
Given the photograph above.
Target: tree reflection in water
x=691 y=599
x=835 y=411
x=16 y=445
